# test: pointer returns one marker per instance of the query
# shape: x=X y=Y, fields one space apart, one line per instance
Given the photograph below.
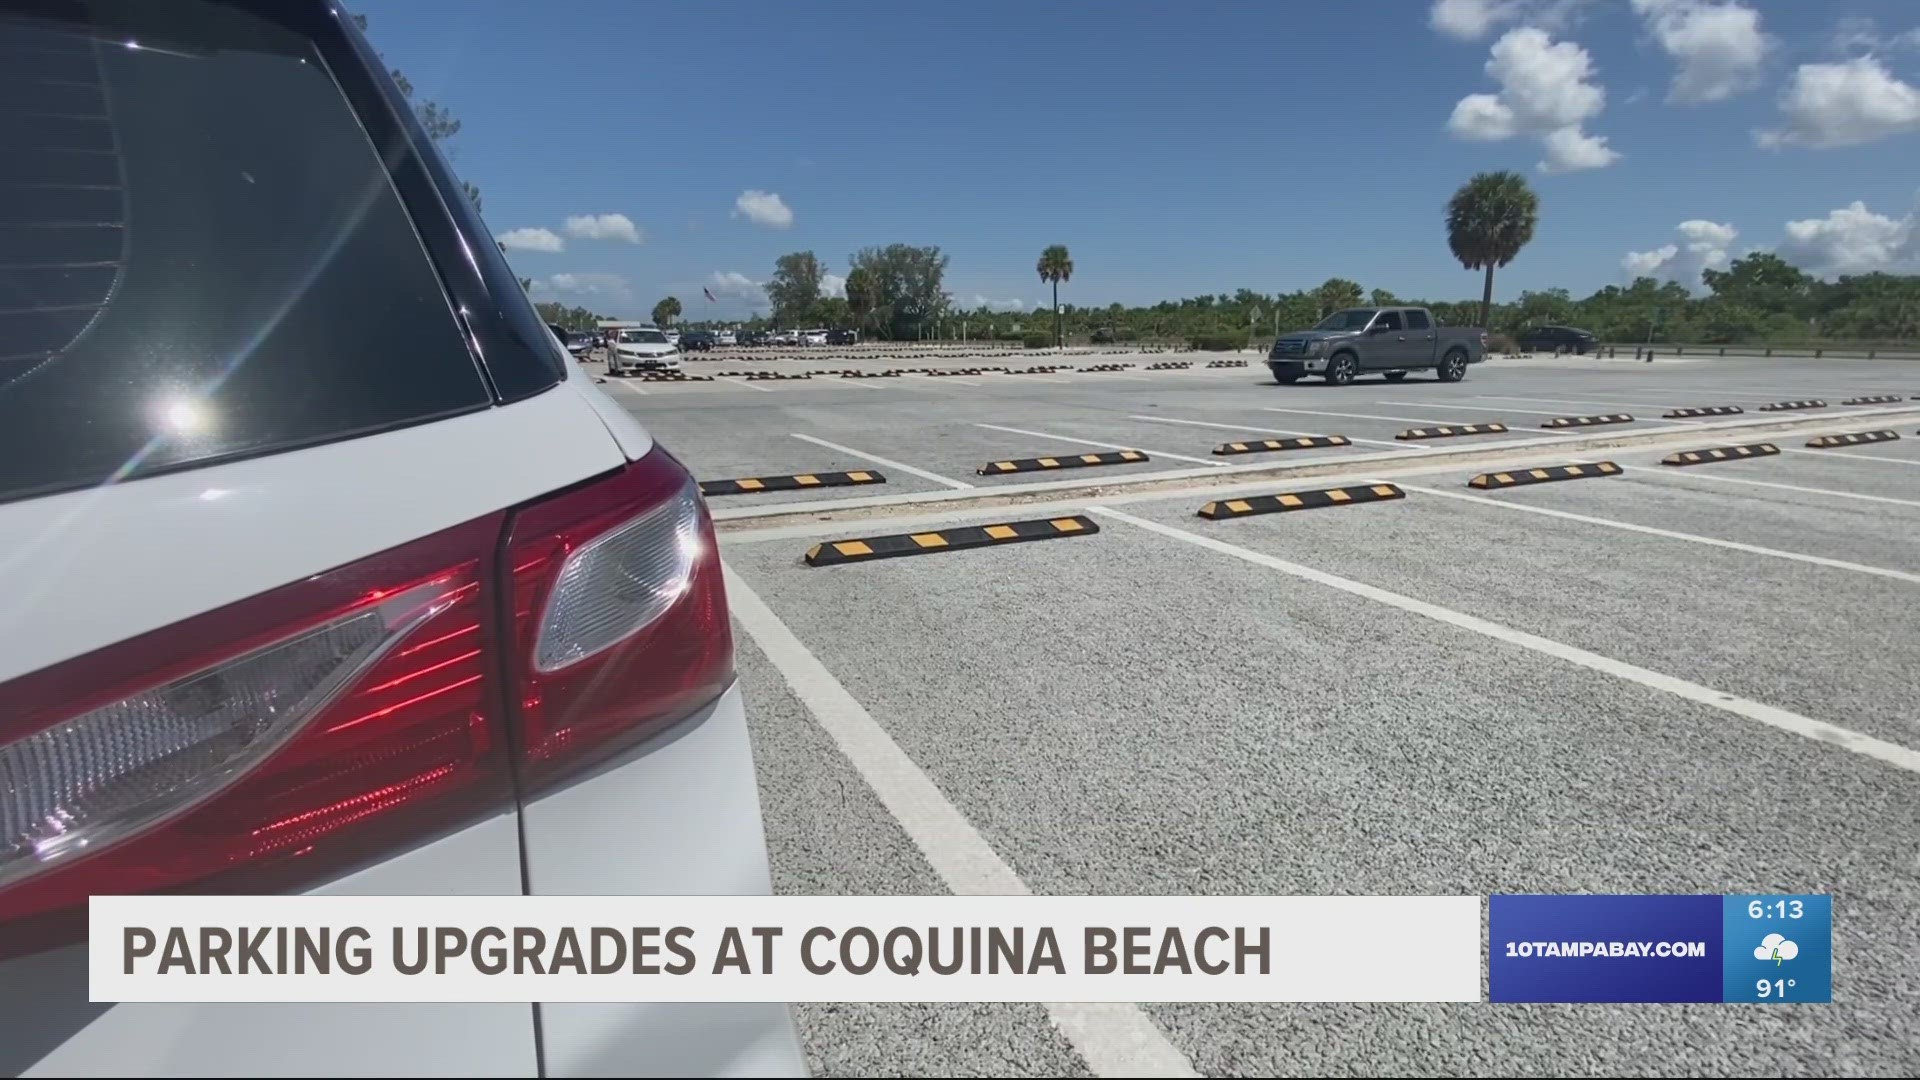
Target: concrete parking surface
x=1666 y=680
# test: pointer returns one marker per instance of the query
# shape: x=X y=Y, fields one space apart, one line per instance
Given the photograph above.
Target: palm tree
x=1489 y=220
x=666 y=311
x=1055 y=267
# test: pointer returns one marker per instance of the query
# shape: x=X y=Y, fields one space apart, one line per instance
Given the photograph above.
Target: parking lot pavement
x=1131 y=712
x=935 y=424
x=1669 y=680
x=829 y=835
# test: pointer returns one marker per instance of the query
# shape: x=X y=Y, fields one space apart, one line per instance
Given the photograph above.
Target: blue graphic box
x=1605 y=948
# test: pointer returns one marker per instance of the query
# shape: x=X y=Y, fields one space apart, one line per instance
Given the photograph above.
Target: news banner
x=1755 y=949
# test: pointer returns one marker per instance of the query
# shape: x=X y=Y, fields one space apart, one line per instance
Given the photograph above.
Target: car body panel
x=682 y=818
x=48 y=1028
x=627 y=431
x=213 y=535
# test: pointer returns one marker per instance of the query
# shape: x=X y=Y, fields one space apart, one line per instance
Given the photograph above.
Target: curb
x=1298 y=500
x=1451 y=431
x=1071 y=461
x=1719 y=453
x=749 y=485
x=867 y=549
x=1542 y=475
x=1305 y=442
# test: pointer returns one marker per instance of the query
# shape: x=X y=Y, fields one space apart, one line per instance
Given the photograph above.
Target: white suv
x=320 y=560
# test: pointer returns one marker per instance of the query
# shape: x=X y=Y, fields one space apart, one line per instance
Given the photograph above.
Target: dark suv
x=696 y=341
x=1557 y=339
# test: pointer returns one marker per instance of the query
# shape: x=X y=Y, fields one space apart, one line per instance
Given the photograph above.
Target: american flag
x=709 y=293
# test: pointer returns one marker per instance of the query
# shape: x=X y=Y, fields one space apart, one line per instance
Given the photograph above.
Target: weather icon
x=1777 y=948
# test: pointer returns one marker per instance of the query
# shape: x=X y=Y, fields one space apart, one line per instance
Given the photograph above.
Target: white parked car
x=326 y=571
x=642 y=350
x=673 y=336
x=725 y=337
x=784 y=337
x=813 y=337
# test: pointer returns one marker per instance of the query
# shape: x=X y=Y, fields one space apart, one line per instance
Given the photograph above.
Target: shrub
x=1038 y=341
x=1219 y=340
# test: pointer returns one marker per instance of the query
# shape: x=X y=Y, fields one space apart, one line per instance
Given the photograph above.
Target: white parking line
x=1732 y=545
x=1372 y=416
x=1770 y=484
x=958 y=485
x=1489 y=408
x=1579 y=401
x=1273 y=431
x=1856 y=457
x=1781 y=719
x=1115 y=1039
x=749 y=385
x=1107 y=445
x=628 y=385
x=1030 y=378
x=851 y=384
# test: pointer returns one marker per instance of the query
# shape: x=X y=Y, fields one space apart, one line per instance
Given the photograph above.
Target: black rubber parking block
x=868 y=548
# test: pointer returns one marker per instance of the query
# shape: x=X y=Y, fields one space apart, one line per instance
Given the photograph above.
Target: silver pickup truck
x=1386 y=340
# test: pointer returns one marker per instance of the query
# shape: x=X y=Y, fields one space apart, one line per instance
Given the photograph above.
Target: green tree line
x=898 y=292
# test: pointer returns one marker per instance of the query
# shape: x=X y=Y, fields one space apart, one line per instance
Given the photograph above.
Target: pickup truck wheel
x=1341 y=369
x=1453 y=366
x=1286 y=380
x=1396 y=376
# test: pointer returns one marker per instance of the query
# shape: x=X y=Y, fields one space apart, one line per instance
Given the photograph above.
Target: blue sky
x=1176 y=148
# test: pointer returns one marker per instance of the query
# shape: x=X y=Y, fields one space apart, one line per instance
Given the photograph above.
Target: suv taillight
x=279 y=741
x=619 y=615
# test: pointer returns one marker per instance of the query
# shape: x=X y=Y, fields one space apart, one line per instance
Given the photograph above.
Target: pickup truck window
x=1350 y=319
x=1417 y=320
x=1389 y=320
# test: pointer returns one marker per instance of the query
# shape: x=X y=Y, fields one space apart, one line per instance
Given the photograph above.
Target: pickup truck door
x=1422 y=340
x=1387 y=344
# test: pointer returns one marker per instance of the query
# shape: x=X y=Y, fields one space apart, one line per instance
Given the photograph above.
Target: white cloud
x=1640 y=264
x=1852 y=240
x=736 y=285
x=978 y=300
x=1776 y=947
x=1472 y=20
x=1469 y=20
x=763 y=208
x=604 y=227
x=1718 y=47
x=1704 y=244
x=1546 y=90
x=1861 y=32
x=1844 y=104
x=586 y=284
x=833 y=285
x=1570 y=150
x=532 y=240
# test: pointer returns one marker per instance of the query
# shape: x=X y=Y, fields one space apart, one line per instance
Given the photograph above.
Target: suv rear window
x=201 y=255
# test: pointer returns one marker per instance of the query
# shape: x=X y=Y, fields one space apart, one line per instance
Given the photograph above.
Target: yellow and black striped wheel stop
x=1783 y=406
x=1261 y=446
x=1873 y=399
x=1516 y=477
x=1719 y=453
x=1451 y=430
x=1853 y=438
x=1703 y=410
x=1299 y=500
x=1063 y=461
x=1588 y=421
x=868 y=548
x=752 y=484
